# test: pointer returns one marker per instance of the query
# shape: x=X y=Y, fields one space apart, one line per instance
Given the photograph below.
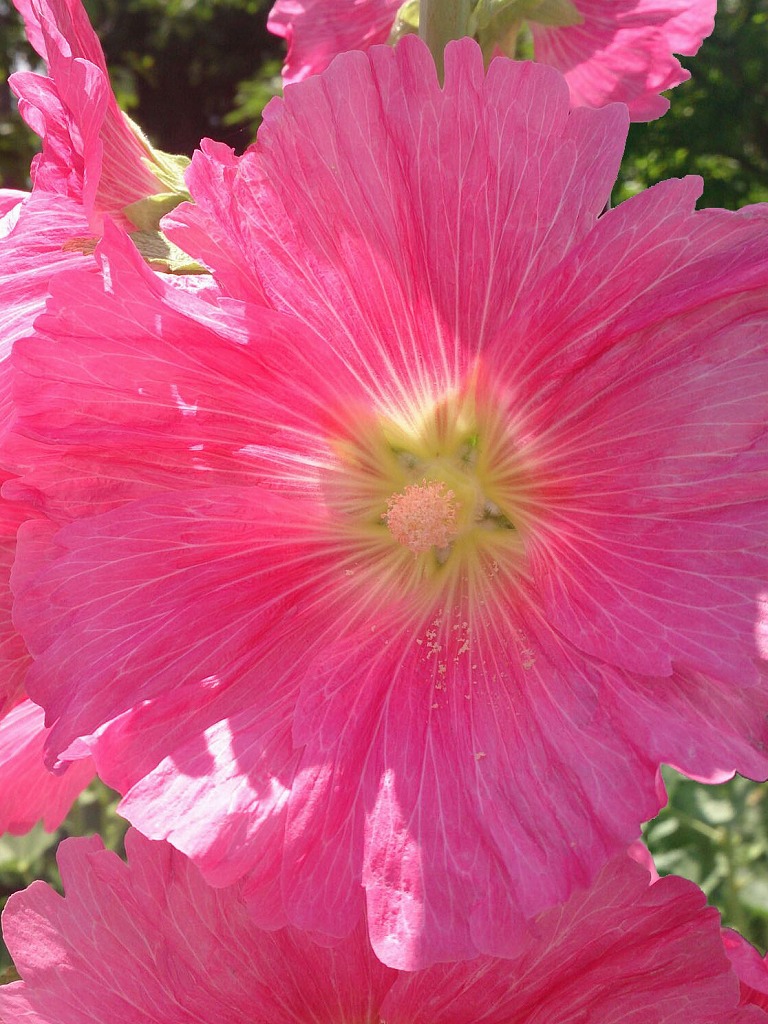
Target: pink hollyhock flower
x=607 y=49
x=150 y=943
x=94 y=162
x=91 y=151
x=751 y=968
x=407 y=563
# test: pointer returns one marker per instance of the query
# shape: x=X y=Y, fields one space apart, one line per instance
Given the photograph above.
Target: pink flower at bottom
x=150 y=943
x=392 y=576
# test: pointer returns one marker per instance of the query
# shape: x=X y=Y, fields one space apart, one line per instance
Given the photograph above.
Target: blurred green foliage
x=718 y=122
x=17 y=143
x=186 y=68
x=718 y=837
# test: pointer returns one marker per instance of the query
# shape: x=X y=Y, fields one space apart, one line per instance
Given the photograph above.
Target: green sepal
x=554 y=13
x=145 y=213
x=406 y=21
x=161 y=254
x=498 y=22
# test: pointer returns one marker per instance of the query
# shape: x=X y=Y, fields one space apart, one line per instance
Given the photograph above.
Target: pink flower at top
x=397 y=572
x=150 y=943
x=607 y=49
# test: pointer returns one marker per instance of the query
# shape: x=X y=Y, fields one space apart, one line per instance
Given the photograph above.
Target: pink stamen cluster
x=423 y=516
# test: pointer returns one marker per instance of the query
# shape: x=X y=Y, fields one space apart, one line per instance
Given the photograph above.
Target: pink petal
x=618 y=952
x=59 y=25
x=9 y=200
x=316 y=30
x=750 y=967
x=220 y=797
x=209 y=229
x=681 y=350
x=214 y=596
x=89 y=151
x=213 y=377
x=14 y=657
x=446 y=757
x=623 y=50
x=151 y=942
x=367 y=211
x=70 y=164
x=28 y=792
x=148 y=942
x=39 y=244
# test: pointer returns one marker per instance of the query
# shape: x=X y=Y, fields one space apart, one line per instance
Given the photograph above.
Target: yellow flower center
x=433 y=503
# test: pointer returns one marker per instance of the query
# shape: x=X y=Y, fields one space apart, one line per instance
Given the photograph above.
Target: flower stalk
x=440 y=21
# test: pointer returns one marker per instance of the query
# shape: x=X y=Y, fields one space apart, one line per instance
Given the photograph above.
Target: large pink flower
x=408 y=562
x=150 y=943
x=607 y=49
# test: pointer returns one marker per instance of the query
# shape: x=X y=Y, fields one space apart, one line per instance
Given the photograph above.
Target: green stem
x=440 y=21
x=735 y=913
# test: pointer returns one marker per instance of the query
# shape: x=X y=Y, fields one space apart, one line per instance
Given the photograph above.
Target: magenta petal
x=14 y=657
x=35 y=249
x=316 y=30
x=221 y=799
x=89 y=151
x=751 y=968
x=106 y=577
x=199 y=228
x=204 y=403
x=623 y=50
x=390 y=228
x=620 y=951
x=9 y=200
x=28 y=791
x=148 y=942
